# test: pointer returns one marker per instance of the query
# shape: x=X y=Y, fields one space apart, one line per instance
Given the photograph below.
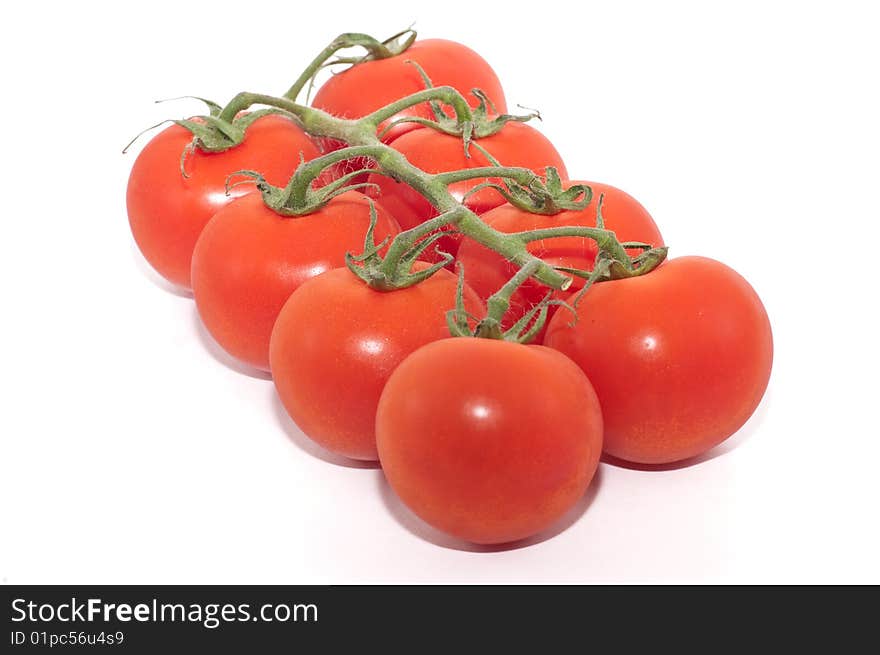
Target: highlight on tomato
x=487 y=271
x=168 y=207
x=679 y=358
x=249 y=259
x=486 y=440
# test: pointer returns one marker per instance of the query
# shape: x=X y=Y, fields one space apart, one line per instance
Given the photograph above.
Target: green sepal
x=285 y=202
x=542 y=196
x=391 y=47
x=458 y=319
x=368 y=266
x=481 y=126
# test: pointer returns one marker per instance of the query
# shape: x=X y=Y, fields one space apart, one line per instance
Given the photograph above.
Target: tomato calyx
x=459 y=320
x=395 y=270
x=215 y=133
x=284 y=201
x=211 y=132
x=608 y=265
x=539 y=195
x=391 y=47
x=214 y=110
x=484 y=120
x=302 y=195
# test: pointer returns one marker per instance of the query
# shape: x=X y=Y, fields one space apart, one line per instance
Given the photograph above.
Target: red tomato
x=517 y=144
x=366 y=87
x=487 y=271
x=167 y=211
x=679 y=358
x=488 y=441
x=336 y=342
x=249 y=260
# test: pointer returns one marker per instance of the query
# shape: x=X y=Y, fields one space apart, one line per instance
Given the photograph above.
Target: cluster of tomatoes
x=486 y=439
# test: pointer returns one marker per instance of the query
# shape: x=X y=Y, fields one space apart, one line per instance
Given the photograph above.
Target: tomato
x=167 y=211
x=336 y=342
x=516 y=144
x=249 y=260
x=488 y=441
x=679 y=357
x=366 y=87
x=487 y=271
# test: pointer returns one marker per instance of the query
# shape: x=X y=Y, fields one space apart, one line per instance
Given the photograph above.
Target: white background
x=134 y=452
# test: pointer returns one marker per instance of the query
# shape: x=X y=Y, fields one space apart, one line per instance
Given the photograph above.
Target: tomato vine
x=225 y=127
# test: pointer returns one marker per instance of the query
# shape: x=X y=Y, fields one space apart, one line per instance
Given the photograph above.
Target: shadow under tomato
x=217 y=352
x=150 y=274
x=416 y=526
x=733 y=442
x=295 y=435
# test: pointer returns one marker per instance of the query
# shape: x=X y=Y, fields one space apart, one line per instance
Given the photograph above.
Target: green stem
x=524 y=176
x=406 y=240
x=499 y=302
x=245 y=99
x=318 y=62
x=605 y=239
x=300 y=183
x=512 y=248
x=376 y=50
x=445 y=94
x=363 y=142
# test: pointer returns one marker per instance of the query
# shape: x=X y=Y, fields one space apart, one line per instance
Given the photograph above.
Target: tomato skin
x=517 y=144
x=249 y=260
x=488 y=441
x=679 y=358
x=337 y=341
x=486 y=271
x=167 y=211
x=366 y=87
